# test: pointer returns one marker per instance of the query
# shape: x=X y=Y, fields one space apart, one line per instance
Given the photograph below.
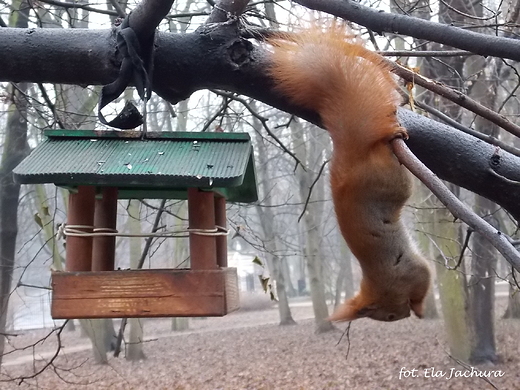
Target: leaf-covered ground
x=248 y=350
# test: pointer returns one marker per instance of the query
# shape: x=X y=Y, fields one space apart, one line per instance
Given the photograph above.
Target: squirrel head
x=387 y=311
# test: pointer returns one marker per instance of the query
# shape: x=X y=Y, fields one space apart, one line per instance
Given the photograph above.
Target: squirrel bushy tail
x=330 y=71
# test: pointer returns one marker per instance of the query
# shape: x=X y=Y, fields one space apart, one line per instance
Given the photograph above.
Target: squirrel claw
x=401 y=133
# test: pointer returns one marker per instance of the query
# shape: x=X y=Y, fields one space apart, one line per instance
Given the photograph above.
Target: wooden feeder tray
x=144 y=293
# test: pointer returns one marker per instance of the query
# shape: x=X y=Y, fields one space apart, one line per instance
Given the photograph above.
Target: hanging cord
x=91 y=231
x=133 y=70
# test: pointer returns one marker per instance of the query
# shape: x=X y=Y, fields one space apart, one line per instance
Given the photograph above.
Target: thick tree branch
x=465 y=160
x=376 y=20
x=216 y=56
x=474 y=133
x=88 y=57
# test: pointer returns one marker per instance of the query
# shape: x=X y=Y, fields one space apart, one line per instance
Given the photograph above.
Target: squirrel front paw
x=399 y=133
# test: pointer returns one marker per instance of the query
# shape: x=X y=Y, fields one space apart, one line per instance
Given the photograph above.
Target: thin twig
x=262 y=120
x=50 y=104
x=76 y=5
x=20 y=284
x=147 y=245
x=499 y=240
x=48 y=364
x=514 y=278
x=151 y=206
x=456 y=97
x=221 y=111
x=468 y=16
x=311 y=187
x=346 y=332
x=425 y=53
x=464 y=247
x=468 y=367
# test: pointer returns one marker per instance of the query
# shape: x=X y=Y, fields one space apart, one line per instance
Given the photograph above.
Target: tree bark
x=14 y=150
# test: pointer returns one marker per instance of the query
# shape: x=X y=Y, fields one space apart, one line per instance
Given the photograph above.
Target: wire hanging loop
x=133 y=70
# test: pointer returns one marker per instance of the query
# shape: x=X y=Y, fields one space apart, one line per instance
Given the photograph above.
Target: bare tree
x=14 y=150
x=228 y=54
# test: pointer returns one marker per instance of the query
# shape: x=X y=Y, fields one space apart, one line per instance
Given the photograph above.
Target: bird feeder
x=98 y=168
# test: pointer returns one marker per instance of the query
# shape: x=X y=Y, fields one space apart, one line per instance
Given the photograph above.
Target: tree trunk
x=273 y=263
x=181 y=253
x=14 y=150
x=307 y=150
x=452 y=284
x=345 y=279
x=181 y=250
x=424 y=241
x=513 y=305
x=267 y=218
x=95 y=329
x=482 y=293
x=484 y=256
x=289 y=287
x=134 y=350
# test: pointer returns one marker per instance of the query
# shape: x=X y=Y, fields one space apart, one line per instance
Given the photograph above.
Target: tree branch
x=145 y=18
x=76 y=5
x=487 y=170
x=456 y=97
x=224 y=9
x=451 y=122
x=376 y=20
x=456 y=207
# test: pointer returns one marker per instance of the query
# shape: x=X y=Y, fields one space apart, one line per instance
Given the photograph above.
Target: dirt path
x=248 y=350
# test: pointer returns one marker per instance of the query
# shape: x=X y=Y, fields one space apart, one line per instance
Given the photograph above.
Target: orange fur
x=355 y=94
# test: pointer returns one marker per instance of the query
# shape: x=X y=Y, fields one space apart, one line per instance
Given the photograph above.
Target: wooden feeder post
x=105 y=216
x=201 y=215
x=220 y=220
x=81 y=213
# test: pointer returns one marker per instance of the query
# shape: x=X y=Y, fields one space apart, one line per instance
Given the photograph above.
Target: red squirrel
x=356 y=97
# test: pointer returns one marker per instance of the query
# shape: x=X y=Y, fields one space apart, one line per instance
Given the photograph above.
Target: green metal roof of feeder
x=160 y=166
